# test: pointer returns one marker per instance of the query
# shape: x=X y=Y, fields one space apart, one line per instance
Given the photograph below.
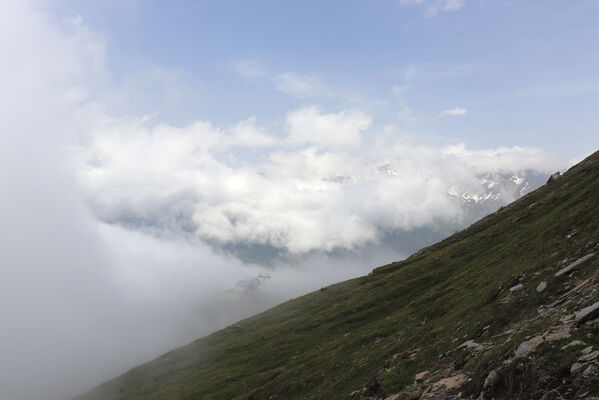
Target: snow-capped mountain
x=496 y=190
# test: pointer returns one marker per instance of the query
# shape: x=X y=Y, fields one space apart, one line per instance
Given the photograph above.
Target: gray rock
x=491 y=380
x=517 y=287
x=529 y=346
x=587 y=313
x=452 y=382
x=573 y=343
x=576 y=367
x=589 y=357
x=419 y=377
x=557 y=333
x=574 y=265
x=541 y=286
x=589 y=371
x=587 y=350
x=471 y=345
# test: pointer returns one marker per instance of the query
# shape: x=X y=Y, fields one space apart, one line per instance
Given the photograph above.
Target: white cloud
x=68 y=280
x=246 y=134
x=458 y=111
x=250 y=69
x=433 y=7
x=298 y=85
x=289 y=82
x=505 y=159
x=452 y=5
x=332 y=183
x=344 y=129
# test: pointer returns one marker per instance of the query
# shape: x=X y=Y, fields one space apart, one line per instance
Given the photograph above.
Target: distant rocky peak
x=494 y=190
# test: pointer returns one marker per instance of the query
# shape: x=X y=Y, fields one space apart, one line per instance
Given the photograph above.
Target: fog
x=121 y=236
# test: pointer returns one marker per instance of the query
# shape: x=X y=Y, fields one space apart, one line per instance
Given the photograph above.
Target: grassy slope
x=327 y=343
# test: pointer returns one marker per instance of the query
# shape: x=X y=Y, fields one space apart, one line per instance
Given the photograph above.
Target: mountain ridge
x=462 y=318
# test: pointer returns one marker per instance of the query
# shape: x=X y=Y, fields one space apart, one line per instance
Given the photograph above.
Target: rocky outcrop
x=554 y=177
x=574 y=265
x=524 y=372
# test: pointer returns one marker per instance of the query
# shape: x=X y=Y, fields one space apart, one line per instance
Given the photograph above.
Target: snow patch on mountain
x=495 y=190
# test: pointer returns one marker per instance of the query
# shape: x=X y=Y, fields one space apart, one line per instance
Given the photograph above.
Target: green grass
x=331 y=342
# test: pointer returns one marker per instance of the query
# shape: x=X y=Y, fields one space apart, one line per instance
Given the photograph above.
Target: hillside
x=494 y=310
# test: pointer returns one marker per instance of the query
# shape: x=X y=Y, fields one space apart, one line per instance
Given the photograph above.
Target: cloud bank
x=328 y=181
x=80 y=300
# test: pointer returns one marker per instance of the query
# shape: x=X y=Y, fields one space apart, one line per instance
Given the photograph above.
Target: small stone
x=471 y=345
x=567 y=318
x=419 y=377
x=541 y=286
x=587 y=350
x=517 y=287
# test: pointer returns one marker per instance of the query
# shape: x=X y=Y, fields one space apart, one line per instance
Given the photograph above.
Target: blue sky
x=526 y=72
